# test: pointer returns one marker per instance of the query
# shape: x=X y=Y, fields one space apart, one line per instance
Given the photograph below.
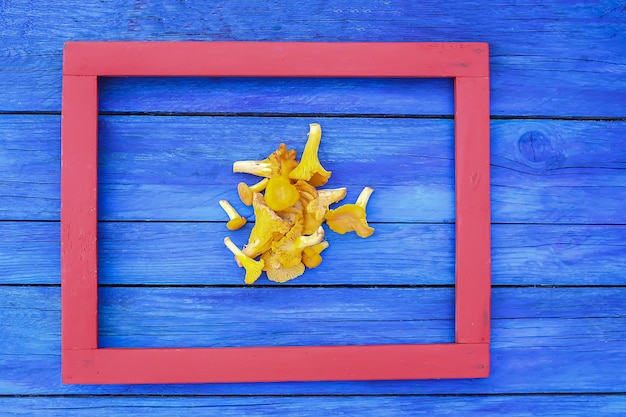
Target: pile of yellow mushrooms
x=288 y=236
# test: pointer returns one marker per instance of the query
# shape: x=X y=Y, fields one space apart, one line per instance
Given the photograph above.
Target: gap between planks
x=397 y=222
x=292 y=286
x=322 y=115
x=520 y=394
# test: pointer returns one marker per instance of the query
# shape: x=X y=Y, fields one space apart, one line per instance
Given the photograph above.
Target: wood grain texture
x=542 y=171
x=544 y=56
x=472 y=188
x=135 y=253
x=276 y=364
x=274 y=317
x=277 y=95
x=556 y=351
x=550 y=339
x=79 y=215
x=193 y=254
x=277 y=59
x=500 y=405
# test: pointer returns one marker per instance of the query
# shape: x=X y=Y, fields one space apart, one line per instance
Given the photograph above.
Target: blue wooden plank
x=278 y=95
x=543 y=171
x=270 y=316
x=193 y=254
x=158 y=253
x=30 y=253
x=454 y=405
x=544 y=340
x=30 y=160
x=375 y=152
x=544 y=56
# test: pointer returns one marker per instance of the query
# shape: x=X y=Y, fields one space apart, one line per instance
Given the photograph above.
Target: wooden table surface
x=558 y=130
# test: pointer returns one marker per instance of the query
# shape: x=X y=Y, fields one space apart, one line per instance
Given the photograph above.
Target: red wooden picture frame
x=83 y=362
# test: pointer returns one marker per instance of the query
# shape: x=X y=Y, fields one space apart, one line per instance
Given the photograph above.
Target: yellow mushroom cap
x=310 y=258
x=236 y=224
x=320 y=247
x=318 y=207
x=308 y=195
x=285 y=274
x=253 y=269
x=306 y=190
x=348 y=218
x=351 y=217
x=288 y=251
x=329 y=196
x=280 y=193
x=246 y=192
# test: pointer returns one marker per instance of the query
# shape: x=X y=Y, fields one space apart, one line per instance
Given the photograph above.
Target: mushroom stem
x=280 y=162
x=236 y=221
x=229 y=209
x=232 y=247
x=260 y=168
x=364 y=197
x=259 y=186
x=320 y=246
x=310 y=240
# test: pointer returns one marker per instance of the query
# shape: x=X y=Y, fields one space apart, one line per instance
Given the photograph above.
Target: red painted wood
x=83 y=362
x=276 y=59
x=79 y=195
x=473 y=221
x=302 y=363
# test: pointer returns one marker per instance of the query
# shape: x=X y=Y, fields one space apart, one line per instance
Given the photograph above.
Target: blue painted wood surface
x=156 y=253
x=545 y=56
x=558 y=101
x=543 y=171
x=534 y=405
x=545 y=340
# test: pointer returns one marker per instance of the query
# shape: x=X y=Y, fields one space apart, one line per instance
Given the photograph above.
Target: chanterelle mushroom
x=268 y=227
x=280 y=162
x=308 y=194
x=236 y=221
x=246 y=192
x=253 y=268
x=310 y=169
x=287 y=251
x=351 y=217
x=283 y=261
x=311 y=257
x=285 y=274
x=288 y=233
x=319 y=206
x=280 y=193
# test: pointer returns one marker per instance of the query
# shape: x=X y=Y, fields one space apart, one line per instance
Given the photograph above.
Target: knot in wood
x=537 y=148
